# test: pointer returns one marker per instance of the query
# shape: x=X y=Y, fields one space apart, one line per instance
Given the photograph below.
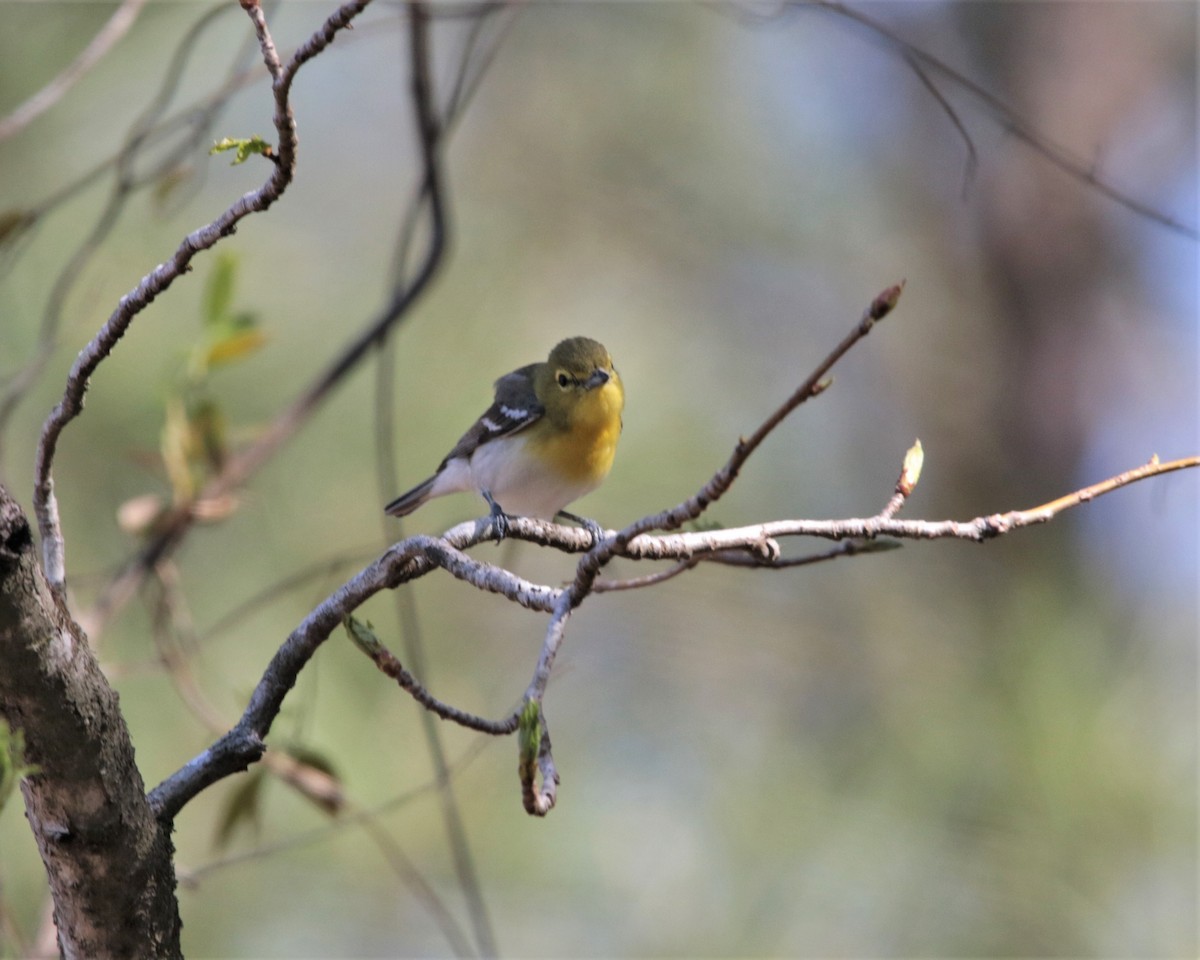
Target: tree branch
x=105 y=39
x=238 y=470
x=161 y=278
x=1010 y=118
x=417 y=556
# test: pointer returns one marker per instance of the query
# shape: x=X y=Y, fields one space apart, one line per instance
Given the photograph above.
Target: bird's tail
x=406 y=503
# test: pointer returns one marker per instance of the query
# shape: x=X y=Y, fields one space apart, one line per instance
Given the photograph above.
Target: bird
x=548 y=438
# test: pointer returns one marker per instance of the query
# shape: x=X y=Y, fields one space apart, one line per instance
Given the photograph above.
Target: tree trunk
x=108 y=860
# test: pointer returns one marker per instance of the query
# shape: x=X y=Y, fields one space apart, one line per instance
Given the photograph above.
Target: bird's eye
x=563 y=379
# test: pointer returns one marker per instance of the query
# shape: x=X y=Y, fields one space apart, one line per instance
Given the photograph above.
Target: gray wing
x=514 y=408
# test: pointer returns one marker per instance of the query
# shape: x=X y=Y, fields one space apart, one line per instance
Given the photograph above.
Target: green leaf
x=245 y=147
x=363 y=636
x=218 y=292
x=529 y=733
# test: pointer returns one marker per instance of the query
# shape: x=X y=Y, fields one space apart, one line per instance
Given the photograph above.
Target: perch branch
x=756 y=544
x=417 y=556
x=590 y=565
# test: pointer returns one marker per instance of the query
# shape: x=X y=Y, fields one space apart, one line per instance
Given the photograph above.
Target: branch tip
x=910 y=473
x=886 y=302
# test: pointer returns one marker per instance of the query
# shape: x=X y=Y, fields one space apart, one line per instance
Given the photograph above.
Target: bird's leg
x=591 y=526
x=499 y=517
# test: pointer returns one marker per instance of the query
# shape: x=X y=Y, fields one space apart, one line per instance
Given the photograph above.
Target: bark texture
x=108 y=860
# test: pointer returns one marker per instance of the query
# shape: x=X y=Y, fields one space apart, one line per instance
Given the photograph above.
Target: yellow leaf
x=235 y=346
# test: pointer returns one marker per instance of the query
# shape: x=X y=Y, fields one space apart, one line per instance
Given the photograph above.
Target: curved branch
x=130 y=305
x=105 y=39
x=600 y=554
x=417 y=556
x=1012 y=120
x=242 y=466
x=142 y=134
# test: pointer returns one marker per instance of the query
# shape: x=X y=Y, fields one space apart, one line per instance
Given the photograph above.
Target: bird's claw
x=591 y=526
x=499 y=517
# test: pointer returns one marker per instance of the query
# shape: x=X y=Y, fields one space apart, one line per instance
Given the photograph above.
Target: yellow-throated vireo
x=547 y=439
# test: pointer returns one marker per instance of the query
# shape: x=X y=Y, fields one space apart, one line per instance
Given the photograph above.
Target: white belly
x=522 y=486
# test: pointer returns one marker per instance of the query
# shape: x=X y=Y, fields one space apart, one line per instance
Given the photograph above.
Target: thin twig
x=239 y=468
x=412 y=878
x=428 y=202
x=268 y=594
x=846 y=548
x=602 y=585
x=348 y=818
x=971 y=164
x=599 y=555
x=126 y=182
x=71 y=404
x=105 y=39
x=389 y=665
x=173 y=632
x=815 y=384
x=417 y=556
x=1012 y=120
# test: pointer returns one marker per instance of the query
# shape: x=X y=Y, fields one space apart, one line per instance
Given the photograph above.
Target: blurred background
x=944 y=750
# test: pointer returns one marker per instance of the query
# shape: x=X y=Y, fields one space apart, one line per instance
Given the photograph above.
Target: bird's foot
x=499 y=517
x=591 y=526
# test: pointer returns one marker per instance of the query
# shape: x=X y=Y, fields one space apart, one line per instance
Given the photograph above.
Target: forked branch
x=756 y=545
x=166 y=273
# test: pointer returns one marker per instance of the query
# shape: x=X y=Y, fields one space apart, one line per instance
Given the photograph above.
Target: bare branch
x=389 y=665
x=815 y=384
x=241 y=467
x=1012 y=120
x=112 y=31
x=417 y=556
x=78 y=380
x=600 y=554
x=971 y=164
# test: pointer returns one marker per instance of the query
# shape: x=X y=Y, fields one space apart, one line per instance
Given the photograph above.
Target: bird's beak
x=598 y=379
